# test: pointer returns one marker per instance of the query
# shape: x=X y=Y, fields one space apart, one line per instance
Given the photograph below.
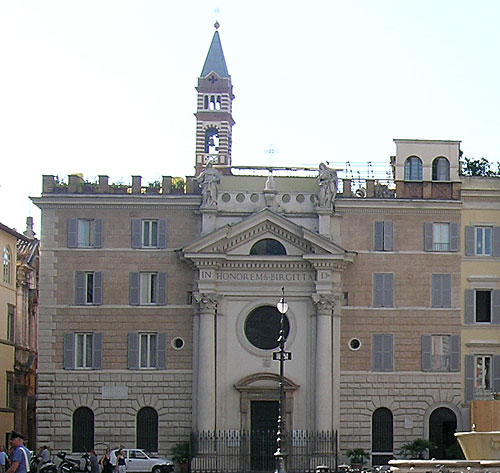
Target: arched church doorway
x=442 y=427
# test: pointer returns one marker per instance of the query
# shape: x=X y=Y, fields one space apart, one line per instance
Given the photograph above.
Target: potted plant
x=416 y=449
x=181 y=454
x=357 y=457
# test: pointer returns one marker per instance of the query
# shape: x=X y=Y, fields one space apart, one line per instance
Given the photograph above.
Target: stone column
x=206 y=362
x=323 y=389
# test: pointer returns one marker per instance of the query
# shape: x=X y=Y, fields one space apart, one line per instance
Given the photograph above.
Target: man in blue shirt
x=20 y=458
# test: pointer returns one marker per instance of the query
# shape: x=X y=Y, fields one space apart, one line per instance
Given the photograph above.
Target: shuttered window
x=82 y=350
x=88 y=287
x=440 y=353
x=440 y=236
x=482 y=376
x=146 y=350
x=149 y=233
x=148 y=288
x=84 y=233
x=482 y=306
x=383 y=352
x=383 y=235
x=383 y=290
x=482 y=241
x=441 y=290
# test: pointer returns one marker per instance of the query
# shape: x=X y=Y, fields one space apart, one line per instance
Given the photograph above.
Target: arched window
x=382 y=436
x=212 y=141
x=442 y=426
x=268 y=246
x=83 y=430
x=7 y=265
x=440 y=169
x=147 y=429
x=413 y=169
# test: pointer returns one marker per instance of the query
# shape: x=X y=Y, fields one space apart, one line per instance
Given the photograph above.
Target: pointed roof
x=215 y=61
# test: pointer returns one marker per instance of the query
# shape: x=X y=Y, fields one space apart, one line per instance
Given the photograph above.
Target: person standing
x=21 y=456
x=94 y=462
x=45 y=454
x=121 y=465
x=3 y=459
x=105 y=461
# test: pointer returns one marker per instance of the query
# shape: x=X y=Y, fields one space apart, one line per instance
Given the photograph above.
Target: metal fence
x=236 y=451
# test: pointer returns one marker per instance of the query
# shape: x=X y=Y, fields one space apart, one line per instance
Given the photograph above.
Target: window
x=149 y=233
x=11 y=322
x=7 y=265
x=482 y=376
x=10 y=391
x=212 y=141
x=262 y=327
x=82 y=350
x=146 y=350
x=482 y=240
x=440 y=236
x=383 y=290
x=88 y=287
x=268 y=246
x=84 y=233
x=440 y=169
x=382 y=352
x=148 y=288
x=413 y=169
x=383 y=236
x=441 y=290
x=440 y=352
x=482 y=306
x=482 y=373
x=147 y=431
x=83 y=430
x=382 y=436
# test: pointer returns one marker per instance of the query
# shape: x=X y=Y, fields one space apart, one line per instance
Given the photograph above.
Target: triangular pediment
x=236 y=240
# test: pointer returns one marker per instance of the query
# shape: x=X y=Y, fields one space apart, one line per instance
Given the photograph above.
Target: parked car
x=139 y=460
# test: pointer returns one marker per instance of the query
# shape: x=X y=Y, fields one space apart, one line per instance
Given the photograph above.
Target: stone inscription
x=264 y=276
x=114 y=392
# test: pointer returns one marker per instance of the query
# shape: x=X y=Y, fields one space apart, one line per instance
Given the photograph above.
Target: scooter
x=36 y=465
x=68 y=465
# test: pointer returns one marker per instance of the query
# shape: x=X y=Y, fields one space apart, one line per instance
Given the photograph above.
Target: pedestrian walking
x=3 y=459
x=21 y=456
x=121 y=466
x=94 y=462
x=105 y=461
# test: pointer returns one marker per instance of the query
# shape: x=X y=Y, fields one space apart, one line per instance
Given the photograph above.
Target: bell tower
x=214 y=121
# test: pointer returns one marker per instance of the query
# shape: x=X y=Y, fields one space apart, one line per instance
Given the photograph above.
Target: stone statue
x=328 y=184
x=209 y=181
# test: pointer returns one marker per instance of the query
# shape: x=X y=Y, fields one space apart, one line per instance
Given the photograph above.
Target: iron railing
x=236 y=451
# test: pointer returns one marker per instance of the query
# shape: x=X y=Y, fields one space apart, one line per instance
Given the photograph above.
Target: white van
x=138 y=460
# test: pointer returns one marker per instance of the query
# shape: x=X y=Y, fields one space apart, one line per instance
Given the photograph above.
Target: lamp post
x=282 y=356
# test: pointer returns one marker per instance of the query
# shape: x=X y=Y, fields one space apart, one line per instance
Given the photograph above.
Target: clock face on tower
x=262 y=327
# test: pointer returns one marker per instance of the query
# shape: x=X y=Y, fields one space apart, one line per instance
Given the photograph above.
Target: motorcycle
x=36 y=465
x=68 y=465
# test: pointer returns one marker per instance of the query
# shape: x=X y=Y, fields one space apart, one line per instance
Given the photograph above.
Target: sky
x=108 y=86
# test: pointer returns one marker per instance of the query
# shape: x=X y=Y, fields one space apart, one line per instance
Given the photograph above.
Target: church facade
x=158 y=310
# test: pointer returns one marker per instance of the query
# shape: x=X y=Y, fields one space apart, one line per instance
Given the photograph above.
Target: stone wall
x=115 y=397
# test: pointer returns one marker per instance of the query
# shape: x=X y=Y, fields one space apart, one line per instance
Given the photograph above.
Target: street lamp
x=282 y=356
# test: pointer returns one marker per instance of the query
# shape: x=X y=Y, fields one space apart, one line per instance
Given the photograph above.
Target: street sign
x=287 y=355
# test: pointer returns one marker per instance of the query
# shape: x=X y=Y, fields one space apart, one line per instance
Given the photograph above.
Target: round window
x=177 y=343
x=262 y=327
x=354 y=344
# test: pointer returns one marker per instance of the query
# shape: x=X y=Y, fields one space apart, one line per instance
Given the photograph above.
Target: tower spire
x=214 y=119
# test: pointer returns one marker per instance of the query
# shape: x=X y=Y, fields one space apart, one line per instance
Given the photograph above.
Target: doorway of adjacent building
x=442 y=427
x=263 y=423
